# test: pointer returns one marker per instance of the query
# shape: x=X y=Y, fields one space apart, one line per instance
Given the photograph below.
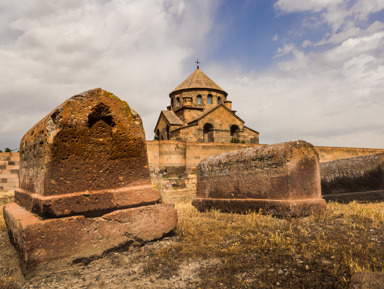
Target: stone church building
x=201 y=112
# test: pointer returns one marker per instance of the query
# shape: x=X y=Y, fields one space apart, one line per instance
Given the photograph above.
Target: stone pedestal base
x=46 y=244
x=273 y=207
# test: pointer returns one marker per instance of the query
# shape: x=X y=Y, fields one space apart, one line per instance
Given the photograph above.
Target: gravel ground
x=114 y=270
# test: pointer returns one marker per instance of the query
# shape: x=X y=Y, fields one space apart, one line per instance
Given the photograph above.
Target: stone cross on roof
x=197 y=62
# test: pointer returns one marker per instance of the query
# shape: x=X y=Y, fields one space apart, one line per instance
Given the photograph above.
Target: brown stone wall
x=250 y=136
x=335 y=153
x=176 y=155
x=221 y=120
x=9 y=171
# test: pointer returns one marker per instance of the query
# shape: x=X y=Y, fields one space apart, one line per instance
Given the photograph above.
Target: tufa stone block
x=84 y=184
x=360 y=178
x=53 y=243
x=282 y=179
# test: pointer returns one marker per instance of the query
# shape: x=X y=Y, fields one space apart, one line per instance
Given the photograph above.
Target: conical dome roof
x=198 y=80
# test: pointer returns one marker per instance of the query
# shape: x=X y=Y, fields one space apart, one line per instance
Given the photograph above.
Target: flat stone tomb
x=84 y=185
x=281 y=179
x=353 y=179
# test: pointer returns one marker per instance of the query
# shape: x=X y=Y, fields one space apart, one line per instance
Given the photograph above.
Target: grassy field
x=259 y=251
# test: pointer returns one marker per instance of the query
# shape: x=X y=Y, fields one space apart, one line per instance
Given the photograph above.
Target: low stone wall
x=327 y=154
x=9 y=171
x=176 y=158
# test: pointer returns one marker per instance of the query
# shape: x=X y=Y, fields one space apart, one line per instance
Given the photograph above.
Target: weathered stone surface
x=360 y=178
x=87 y=203
x=283 y=179
x=42 y=242
x=93 y=141
x=367 y=281
x=85 y=186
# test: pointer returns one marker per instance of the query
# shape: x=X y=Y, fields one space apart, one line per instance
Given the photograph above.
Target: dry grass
x=260 y=251
x=5 y=197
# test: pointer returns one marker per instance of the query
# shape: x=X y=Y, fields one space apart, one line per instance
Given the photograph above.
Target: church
x=201 y=112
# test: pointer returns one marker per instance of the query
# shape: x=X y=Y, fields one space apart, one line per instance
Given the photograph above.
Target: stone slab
x=48 y=244
x=88 y=203
x=359 y=174
x=264 y=178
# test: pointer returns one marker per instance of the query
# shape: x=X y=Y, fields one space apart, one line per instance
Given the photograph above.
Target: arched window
x=209 y=98
x=157 y=135
x=199 y=99
x=208 y=133
x=235 y=132
x=167 y=131
x=178 y=101
x=218 y=100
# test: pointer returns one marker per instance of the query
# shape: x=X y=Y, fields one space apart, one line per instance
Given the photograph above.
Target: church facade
x=201 y=112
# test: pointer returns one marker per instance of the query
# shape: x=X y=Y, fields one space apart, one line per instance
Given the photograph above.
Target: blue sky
x=311 y=70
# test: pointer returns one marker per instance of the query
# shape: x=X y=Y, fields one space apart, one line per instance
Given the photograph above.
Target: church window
x=208 y=133
x=218 y=100
x=209 y=99
x=157 y=135
x=235 y=132
x=168 y=132
x=199 y=99
x=178 y=101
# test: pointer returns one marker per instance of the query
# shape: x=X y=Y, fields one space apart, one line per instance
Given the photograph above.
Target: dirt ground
x=114 y=270
x=121 y=269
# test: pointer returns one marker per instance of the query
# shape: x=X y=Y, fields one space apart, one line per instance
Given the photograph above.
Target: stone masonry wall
x=177 y=157
x=327 y=154
x=9 y=171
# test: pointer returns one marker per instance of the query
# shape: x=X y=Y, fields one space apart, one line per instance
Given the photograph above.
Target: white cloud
x=331 y=95
x=289 y=6
x=355 y=46
x=54 y=49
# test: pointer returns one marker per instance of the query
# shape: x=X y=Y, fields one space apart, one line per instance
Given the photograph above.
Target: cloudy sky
x=311 y=70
